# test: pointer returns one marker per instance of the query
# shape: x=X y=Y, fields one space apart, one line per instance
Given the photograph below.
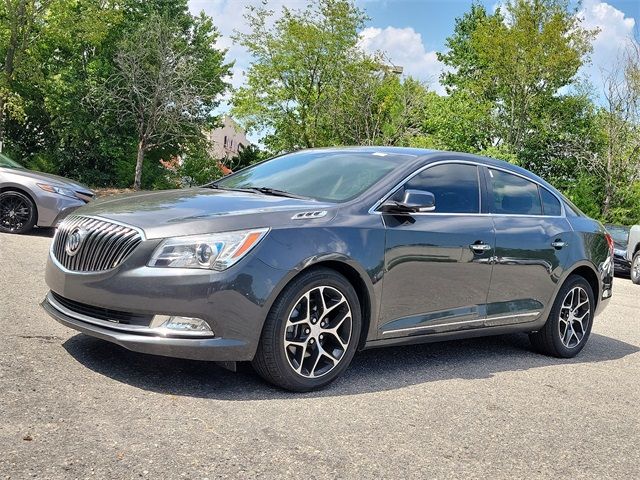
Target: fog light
x=182 y=325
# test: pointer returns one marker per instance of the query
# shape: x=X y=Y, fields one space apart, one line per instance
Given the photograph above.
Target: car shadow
x=41 y=232
x=371 y=370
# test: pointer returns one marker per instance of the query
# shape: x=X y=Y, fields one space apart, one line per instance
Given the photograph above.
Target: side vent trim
x=309 y=215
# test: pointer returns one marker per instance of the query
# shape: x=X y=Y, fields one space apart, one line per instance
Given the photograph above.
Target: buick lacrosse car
x=296 y=263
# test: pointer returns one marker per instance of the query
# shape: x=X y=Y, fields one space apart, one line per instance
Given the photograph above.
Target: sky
x=412 y=31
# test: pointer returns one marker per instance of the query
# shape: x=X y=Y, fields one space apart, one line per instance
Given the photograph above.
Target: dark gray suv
x=299 y=261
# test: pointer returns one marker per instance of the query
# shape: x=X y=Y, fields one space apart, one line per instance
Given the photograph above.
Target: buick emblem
x=74 y=241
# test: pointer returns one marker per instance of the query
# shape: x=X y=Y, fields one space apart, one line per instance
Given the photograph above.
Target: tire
x=552 y=338
x=18 y=213
x=634 y=273
x=295 y=333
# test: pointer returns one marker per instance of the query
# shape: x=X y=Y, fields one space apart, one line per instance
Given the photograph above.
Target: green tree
x=461 y=54
x=18 y=23
x=518 y=61
x=71 y=55
x=616 y=165
x=564 y=131
x=457 y=122
x=374 y=106
x=298 y=65
x=165 y=84
x=310 y=84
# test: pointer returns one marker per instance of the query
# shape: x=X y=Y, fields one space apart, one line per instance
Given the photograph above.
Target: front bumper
x=621 y=266
x=234 y=303
x=53 y=208
x=214 y=349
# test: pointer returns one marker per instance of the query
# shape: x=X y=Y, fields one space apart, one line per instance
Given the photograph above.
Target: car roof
x=406 y=151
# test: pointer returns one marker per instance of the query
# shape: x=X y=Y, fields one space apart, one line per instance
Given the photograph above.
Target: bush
x=198 y=168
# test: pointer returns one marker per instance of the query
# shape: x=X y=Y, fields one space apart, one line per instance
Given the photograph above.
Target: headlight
x=217 y=251
x=619 y=252
x=67 y=192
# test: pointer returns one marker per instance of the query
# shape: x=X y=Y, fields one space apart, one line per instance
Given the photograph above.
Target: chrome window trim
x=540 y=185
x=374 y=208
x=95 y=217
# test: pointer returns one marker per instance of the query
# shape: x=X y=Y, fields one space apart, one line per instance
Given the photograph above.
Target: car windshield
x=326 y=175
x=619 y=234
x=8 y=163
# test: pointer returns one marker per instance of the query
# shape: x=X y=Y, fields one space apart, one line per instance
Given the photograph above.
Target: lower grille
x=101 y=313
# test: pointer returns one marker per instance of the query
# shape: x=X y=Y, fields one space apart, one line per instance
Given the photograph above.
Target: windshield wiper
x=264 y=190
x=215 y=186
x=275 y=192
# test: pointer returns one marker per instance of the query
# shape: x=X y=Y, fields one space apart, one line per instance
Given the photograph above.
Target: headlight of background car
x=67 y=192
x=619 y=252
x=217 y=251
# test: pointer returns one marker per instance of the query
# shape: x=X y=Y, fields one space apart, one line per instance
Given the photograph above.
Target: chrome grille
x=105 y=245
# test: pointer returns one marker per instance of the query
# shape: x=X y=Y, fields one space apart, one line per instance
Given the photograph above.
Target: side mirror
x=414 y=201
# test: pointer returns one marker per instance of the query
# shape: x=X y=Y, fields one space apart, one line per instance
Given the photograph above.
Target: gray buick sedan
x=296 y=263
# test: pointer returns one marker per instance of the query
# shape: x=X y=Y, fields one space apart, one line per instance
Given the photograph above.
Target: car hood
x=199 y=210
x=50 y=178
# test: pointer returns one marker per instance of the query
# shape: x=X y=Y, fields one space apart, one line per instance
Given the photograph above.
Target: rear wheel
x=311 y=332
x=17 y=212
x=635 y=268
x=569 y=324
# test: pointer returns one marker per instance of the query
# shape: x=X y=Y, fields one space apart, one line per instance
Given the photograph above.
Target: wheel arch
x=590 y=275
x=356 y=276
x=358 y=283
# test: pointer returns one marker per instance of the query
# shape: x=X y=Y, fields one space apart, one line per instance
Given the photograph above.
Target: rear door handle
x=558 y=244
x=480 y=247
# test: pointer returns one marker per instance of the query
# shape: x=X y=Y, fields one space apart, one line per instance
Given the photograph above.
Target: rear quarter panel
x=589 y=247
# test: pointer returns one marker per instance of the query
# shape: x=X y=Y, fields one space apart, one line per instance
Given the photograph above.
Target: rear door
x=530 y=251
x=438 y=264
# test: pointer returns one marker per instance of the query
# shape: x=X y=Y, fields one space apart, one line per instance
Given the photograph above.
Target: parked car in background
x=297 y=262
x=29 y=198
x=633 y=253
x=620 y=235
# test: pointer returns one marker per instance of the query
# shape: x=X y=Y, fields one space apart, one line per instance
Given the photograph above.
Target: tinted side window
x=454 y=185
x=514 y=195
x=550 y=204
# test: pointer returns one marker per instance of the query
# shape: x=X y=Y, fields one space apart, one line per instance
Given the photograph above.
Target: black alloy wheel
x=17 y=212
x=570 y=320
x=311 y=332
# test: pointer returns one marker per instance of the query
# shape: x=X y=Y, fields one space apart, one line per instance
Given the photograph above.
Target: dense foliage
x=512 y=93
x=96 y=85
x=112 y=92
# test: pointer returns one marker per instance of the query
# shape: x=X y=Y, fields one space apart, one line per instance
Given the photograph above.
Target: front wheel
x=17 y=212
x=569 y=324
x=311 y=333
x=635 y=268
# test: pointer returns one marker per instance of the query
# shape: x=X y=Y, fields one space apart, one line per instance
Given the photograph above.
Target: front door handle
x=480 y=247
x=558 y=244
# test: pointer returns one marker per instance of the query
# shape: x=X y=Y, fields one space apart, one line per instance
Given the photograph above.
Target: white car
x=633 y=253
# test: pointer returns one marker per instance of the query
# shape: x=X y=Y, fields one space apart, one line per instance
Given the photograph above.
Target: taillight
x=610 y=242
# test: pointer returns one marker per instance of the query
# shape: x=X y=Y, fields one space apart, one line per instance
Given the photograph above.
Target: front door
x=438 y=264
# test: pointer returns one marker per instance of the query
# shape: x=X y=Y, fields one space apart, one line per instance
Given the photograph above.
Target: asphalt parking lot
x=76 y=407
